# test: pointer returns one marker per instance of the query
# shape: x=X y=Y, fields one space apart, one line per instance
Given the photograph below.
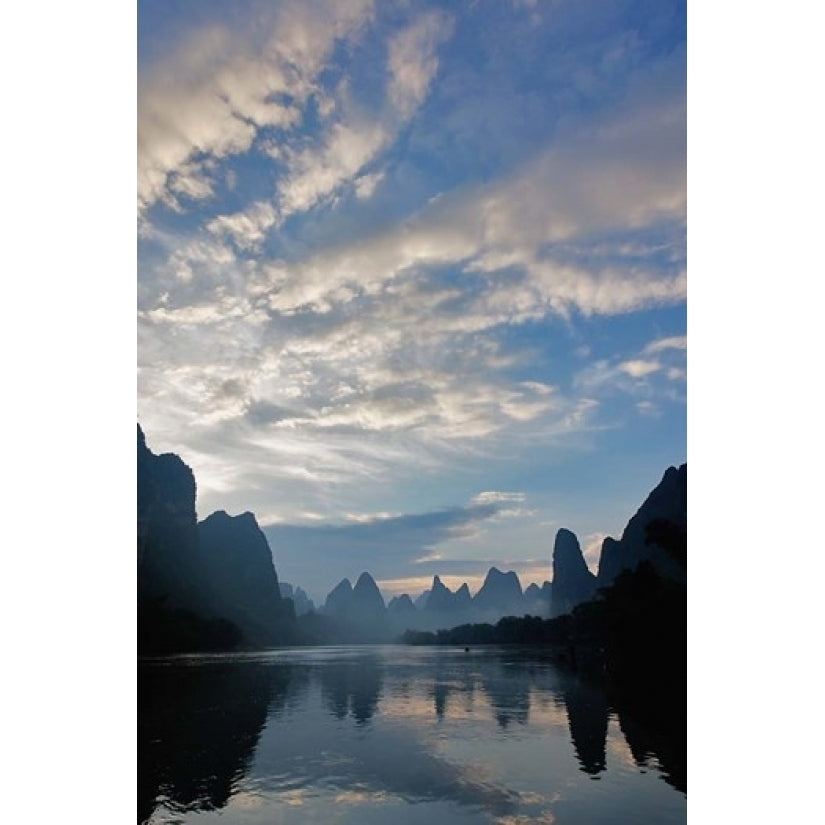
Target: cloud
x=674 y=342
x=419 y=233
x=600 y=178
x=351 y=137
x=494 y=496
x=365 y=185
x=247 y=228
x=413 y=61
x=592 y=550
x=316 y=173
x=210 y=98
x=639 y=374
x=638 y=368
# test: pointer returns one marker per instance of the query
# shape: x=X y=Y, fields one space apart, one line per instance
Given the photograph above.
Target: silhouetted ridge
x=339 y=599
x=463 y=599
x=501 y=592
x=200 y=586
x=666 y=509
x=441 y=598
x=167 y=541
x=238 y=562
x=359 y=612
x=573 y=583
x=367 y=603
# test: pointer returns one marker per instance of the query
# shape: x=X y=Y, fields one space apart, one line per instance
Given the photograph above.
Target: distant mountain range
x=501 y=593
x=213 y=583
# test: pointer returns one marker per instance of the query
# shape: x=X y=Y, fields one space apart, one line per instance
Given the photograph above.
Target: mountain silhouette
x=207 y=585
x=573 y=583
x=238 y=564
x=500 y=593
x=665 y=507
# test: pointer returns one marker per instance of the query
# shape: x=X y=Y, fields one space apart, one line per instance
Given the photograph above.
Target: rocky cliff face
x=573 y=583
x=167 y=540
x=238 y=564
x=220 y=569
x=667 y=506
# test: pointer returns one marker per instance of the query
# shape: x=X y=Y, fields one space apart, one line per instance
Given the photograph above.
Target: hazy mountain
x=368 y=608
x=303 y=603
x=500 y=594
x=441 y=598
x=463 y=598
x=359 y=612
x=401 y=606
x=339 y=600
x=532 y=591
x=421 y=600
x=536 y=600
x=573 y=583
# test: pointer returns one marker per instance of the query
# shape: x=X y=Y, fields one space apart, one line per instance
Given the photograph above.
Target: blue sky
x=412 y=276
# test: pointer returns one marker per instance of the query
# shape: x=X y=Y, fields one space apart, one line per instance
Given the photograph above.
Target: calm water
x=394 y=735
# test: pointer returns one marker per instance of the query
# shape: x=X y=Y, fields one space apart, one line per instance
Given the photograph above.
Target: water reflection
x=587 y=715
x=352 y=687
x=381 y=727
x=507 y=686
x=197 y=730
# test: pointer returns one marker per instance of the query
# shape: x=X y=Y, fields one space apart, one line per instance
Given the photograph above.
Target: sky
x=412 y=276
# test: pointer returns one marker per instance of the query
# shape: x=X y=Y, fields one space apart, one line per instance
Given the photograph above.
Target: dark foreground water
x=395 y=735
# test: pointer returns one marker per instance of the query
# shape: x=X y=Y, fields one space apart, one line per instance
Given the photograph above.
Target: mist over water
x=395 y=734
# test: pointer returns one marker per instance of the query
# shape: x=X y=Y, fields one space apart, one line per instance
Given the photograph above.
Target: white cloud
x=638 y=368
x=592 y=549
x=495 y=496
x=212 y=95
x=601 y=180
x=365 y=185
x=674 y=342
x=316 y=173
x=413 y=61
x=389 y=346
x=247 y=228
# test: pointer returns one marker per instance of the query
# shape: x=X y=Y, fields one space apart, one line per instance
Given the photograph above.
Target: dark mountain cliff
x=200 y=586
x=573 y=583
x=167 y=539
x=658 y=525
x=237 y=563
